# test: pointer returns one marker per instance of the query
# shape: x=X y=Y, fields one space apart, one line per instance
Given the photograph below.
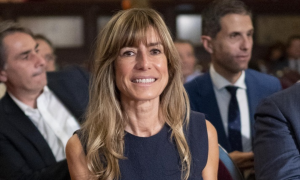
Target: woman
x=138 y=124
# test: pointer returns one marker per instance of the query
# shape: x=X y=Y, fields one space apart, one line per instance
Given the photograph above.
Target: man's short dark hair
x=216 y=10
x=184 y=41
x=6 y=28
x=44 y=38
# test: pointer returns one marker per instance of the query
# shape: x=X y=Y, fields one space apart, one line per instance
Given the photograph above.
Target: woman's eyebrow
x=154 y=44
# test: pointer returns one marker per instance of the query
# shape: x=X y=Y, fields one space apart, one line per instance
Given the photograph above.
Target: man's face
x=24 y=70
x=187 y=56
x=47 y=53
x=293 y=50
x=232 y=46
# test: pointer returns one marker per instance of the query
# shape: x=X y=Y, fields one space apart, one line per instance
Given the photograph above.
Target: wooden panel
x=273 y=28
x=63 y=31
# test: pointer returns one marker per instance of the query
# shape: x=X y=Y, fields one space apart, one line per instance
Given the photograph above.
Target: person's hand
x=243 y=160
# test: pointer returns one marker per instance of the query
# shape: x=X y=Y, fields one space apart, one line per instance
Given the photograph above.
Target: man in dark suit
x=227 y=32
x=277 y=135
x=37 y=116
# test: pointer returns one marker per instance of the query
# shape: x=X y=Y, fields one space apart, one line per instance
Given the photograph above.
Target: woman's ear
x=207 y=43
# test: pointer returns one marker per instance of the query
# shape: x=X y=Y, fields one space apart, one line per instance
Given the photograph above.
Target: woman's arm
x=211 y=169
x=76 y=159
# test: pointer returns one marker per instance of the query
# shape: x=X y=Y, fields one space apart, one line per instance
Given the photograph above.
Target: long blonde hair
x=103 y=130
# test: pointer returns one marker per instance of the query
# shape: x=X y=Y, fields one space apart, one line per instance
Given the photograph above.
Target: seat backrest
x=227 y=169
x=223 y=173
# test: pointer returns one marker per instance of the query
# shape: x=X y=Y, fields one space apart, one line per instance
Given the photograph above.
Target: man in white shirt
x=229 y=89
x=37 y=115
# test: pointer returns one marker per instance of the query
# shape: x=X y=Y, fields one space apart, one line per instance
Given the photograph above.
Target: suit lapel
x=253 y=95
x=210 y=107
x=24 y=125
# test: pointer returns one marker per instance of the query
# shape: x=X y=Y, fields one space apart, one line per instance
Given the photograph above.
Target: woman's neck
x=143 y=118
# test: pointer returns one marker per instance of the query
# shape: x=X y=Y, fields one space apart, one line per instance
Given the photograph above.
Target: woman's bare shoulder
x=211 y=130
x=74 y=146
x=76 y=159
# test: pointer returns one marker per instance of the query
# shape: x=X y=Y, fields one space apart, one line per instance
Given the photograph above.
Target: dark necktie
x=234 y=121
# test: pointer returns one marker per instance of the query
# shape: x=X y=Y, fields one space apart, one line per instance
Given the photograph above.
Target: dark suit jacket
x=277 y=136
x=203 y=99
x=24 y=153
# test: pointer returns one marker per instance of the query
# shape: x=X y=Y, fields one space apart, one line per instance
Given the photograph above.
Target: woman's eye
x=128 y=53
x=155 y=51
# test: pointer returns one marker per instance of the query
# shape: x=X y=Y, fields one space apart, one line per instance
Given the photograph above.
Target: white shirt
x=294 y=64
x=2 y=89
x=52 y=119
x=223 y=98
x=195 y=74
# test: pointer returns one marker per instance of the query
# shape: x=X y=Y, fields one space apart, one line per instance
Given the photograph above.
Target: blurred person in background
x=47 y=51
x=271 y=63
x=293 y=53
x=39 y=112
x=288 y=70
x=188 y=59
x=291 y=60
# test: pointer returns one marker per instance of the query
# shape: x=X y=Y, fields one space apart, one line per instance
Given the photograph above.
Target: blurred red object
x=126 y=4
x=288 y=77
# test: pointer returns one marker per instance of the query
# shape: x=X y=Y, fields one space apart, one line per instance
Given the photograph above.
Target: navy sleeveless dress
x=157 y=158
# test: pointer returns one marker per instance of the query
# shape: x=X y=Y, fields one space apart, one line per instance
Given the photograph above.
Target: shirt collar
x=24 y=107
x=220 y=82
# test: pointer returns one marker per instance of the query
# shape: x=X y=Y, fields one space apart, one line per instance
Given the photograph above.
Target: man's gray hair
x=6 y=28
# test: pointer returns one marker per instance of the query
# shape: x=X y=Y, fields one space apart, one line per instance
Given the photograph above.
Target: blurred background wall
x=73 y=25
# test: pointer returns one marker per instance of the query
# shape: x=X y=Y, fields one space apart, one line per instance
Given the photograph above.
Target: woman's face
x=142 y=71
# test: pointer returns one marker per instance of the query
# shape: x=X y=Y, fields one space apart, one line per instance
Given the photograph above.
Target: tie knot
x=231 y=90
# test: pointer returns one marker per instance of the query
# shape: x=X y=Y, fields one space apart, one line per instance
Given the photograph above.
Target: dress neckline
x=163 y=129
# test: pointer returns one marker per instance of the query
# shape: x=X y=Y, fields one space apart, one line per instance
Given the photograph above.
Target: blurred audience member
x=47 y=51
x=277 y=136
x=39 y=112
x=273 y=59
x=293 y=53
x=188 y=60
x=288 y=70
